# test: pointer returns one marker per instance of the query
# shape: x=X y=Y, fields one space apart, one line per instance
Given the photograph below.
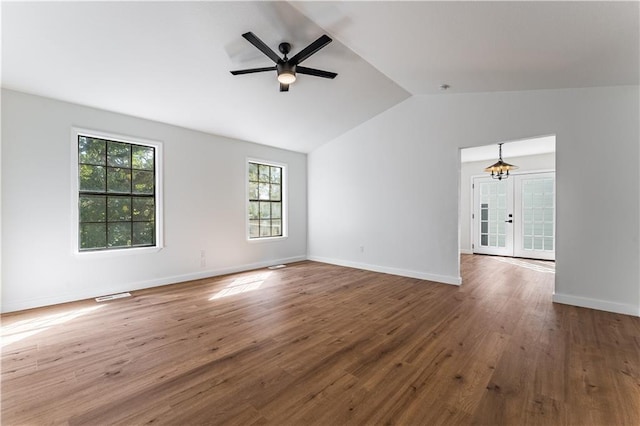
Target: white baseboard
x=445 y=279
x=157 y=282
x=466 y=251
x=601 y=305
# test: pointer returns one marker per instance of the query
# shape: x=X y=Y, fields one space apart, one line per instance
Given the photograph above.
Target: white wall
x=204 y=206
x=476 y=168
x=391 y=185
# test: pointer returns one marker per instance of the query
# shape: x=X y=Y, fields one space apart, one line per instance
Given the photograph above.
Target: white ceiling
x=170 y=61
x=490 y=46
x=510 y=149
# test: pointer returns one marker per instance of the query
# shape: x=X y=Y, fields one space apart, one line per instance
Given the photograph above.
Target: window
x=117 y=187
x=266 y=213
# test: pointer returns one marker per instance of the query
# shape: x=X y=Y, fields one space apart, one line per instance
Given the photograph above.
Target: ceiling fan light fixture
x=286 y=77
x=286 y=72
x=287 y=67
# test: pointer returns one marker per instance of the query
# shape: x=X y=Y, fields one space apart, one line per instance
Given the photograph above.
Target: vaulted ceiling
x=170 y=61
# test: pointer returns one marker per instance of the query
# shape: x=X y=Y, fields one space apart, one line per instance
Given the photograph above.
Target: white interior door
x=493 y=209
x=515 y=216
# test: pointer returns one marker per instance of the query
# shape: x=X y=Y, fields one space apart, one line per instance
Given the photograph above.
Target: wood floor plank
x=319 y=344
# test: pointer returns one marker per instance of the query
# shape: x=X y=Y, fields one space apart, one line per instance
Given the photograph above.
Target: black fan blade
x=310 y=49
x=284 y=87
x=253 y=39
x=252 y=70
x=315 y=72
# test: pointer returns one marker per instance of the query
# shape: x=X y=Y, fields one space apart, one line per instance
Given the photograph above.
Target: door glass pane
x=537 y=243
x=537 y=228
x=527 y=215
x=548 y=243
x=548 y=200
x=493 y=214
x=538 y=213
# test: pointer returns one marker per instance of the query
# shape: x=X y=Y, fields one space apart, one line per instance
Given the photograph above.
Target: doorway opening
x=512 y=217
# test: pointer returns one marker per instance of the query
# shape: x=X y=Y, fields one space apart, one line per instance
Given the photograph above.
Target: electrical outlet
x=203 y=258
x=361 y=249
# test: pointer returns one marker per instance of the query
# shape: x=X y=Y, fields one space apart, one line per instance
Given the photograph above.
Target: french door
x=515 y=216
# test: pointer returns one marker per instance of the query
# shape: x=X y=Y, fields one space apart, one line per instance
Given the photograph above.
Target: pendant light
x=500 y=170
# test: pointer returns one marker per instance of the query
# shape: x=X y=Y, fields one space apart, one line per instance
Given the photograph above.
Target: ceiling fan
x=288 y=67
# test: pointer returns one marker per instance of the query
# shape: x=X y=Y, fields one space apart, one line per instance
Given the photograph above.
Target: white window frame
x=75 y=195
x=285 y=204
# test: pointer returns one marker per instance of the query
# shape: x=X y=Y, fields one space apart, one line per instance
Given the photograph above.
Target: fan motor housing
x=286 y=67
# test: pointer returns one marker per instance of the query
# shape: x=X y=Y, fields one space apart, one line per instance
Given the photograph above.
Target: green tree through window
x=265 y=200
x=117 y=194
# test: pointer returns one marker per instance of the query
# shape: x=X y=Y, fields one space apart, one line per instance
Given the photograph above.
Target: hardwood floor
x=319 y=344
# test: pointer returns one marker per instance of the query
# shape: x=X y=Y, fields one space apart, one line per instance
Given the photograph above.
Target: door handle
x=509 y=221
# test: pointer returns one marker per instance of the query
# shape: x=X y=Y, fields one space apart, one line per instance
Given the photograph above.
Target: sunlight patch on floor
x=242 y=285
x=23 y=329
x=528 y=264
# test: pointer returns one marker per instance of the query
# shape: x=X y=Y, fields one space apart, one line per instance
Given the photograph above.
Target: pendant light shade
x=500 y=169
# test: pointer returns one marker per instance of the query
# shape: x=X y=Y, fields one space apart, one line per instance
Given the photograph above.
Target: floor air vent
x=112 y=296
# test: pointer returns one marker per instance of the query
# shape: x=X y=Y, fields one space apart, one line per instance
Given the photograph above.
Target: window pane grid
x=265 y=200
x=116 y=194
